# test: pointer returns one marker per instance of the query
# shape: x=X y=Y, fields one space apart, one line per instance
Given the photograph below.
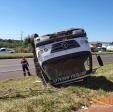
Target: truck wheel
x=32 y=39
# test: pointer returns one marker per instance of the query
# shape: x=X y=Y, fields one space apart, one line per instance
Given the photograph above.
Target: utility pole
x=21 y=36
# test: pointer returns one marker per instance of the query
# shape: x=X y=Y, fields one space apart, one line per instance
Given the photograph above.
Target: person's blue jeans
x=25 y=67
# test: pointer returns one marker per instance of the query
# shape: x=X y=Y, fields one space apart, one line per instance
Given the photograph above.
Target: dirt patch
x=107 y=107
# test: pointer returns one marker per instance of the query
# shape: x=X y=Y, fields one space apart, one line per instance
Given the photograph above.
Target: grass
x=15 y=55
x=102 y=53
x=30 y=55
x=22 y=95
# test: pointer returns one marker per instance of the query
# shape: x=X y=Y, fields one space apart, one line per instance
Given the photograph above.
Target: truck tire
x=79 y=32
x=32 y=39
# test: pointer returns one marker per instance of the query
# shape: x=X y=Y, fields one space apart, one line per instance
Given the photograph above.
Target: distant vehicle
x=101 y=49
x=110 y=48
x=6 y=51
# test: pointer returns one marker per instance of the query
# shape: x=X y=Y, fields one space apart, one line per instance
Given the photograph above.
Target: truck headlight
x=41 y=51
x=45 y=49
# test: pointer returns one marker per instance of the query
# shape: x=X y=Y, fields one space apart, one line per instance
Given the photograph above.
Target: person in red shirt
x=25 y=65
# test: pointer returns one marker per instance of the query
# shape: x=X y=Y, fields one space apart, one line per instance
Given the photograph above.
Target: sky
x=20 y=18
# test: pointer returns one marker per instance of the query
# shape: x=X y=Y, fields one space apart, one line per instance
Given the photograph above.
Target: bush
x=27 y=49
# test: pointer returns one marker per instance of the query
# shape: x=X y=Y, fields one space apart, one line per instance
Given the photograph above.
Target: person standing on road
x=25 y=65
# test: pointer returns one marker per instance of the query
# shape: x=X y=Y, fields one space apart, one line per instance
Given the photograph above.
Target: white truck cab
x=62 y=57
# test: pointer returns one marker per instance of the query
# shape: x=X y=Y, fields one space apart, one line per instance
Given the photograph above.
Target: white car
x=110 y=47
x=6 y=51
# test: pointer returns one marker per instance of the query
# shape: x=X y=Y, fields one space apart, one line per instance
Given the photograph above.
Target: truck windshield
x=74 y=66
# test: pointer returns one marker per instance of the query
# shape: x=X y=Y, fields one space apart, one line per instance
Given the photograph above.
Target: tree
x=26 y=41
x=111 y=43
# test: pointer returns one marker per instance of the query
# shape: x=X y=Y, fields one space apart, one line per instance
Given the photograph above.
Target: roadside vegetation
x=25 y=95
x=23 y=47
x=30 y=55
x=20 y=46
x=15 y=55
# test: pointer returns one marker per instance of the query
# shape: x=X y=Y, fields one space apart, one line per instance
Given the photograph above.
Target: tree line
x=18 y=45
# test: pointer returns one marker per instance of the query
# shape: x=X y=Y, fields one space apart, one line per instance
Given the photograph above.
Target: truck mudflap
x=68 y=68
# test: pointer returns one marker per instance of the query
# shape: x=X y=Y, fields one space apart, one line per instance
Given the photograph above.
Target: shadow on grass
x=95 y=83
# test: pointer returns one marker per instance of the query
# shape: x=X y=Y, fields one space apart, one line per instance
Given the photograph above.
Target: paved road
x=105 y=58
x=7 y=65
x=11 y=68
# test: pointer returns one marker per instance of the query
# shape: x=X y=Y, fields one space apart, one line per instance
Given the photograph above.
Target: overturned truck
x=62 y=57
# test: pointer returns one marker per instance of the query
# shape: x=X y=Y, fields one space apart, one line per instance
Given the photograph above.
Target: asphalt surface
x=8 y=65
x=11 y=68
x=14 y=74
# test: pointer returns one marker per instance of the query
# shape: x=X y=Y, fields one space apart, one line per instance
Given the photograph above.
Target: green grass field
x=15 y=55
x=30 y=55
x=22 y=95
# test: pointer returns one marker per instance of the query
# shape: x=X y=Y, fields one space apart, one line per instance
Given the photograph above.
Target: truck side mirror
x=100 y=61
